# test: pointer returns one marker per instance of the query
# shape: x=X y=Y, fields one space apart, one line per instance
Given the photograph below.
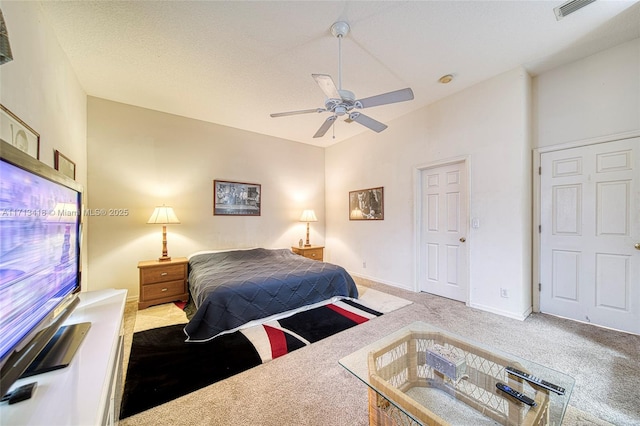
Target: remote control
x=517 y=395
x=20 y=393
x=535 y=380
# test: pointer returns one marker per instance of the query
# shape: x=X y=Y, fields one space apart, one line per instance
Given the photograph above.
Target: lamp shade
x=308 y=216
x=163 y=215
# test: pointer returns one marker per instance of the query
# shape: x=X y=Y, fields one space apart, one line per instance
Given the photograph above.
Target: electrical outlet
x=504 y=293
x=364 y=264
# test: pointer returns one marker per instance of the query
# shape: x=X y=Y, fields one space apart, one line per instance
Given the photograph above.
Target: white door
x=590 y=224
x=443 y=254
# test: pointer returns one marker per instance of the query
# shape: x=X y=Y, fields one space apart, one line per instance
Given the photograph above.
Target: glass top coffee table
x=422 y=374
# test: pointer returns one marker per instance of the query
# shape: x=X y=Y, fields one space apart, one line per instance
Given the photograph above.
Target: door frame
x=465 y=162
x=537 y=195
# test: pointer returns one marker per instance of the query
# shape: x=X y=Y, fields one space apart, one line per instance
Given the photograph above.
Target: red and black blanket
x=162 y=366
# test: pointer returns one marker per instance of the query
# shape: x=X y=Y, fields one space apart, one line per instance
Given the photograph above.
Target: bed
x=232 y=288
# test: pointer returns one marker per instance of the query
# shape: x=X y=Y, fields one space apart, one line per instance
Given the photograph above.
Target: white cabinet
x=88 y=391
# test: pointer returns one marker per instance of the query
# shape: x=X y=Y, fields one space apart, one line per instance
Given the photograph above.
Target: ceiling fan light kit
x=341 y=102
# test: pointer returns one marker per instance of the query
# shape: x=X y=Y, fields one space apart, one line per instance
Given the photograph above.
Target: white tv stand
x=88 y=391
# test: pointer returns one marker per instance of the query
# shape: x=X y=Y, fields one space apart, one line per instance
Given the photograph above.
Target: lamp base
x=307 y=244
x=165 y=254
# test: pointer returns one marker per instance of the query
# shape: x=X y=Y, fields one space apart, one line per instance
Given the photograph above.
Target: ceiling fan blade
x=327 y=85
x=302 y=111
x=387 y=98
x=325 y=126
x=367 y=121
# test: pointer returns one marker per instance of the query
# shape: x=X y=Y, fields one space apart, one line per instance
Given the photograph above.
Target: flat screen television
x=40 y=269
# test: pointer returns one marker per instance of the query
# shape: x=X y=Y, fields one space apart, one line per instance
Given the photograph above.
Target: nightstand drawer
x=162 y=290
x=315 y=254
x=162 y=281
x=162 y=274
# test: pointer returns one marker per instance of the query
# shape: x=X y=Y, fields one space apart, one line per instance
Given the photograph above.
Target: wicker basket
x=400 y=368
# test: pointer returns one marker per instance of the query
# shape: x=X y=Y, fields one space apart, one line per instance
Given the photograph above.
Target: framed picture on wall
x=236 y=198
x=16 y=132
x=64 y=165
x=366 y=204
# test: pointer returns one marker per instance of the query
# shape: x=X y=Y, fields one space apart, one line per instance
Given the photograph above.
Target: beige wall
x=40 y=87
x=141 y=158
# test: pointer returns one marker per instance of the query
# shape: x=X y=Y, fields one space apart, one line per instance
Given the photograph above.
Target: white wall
x=592 y=100
x=40 y=87
x=490 y=124
x=139 y=158
x=594 y=97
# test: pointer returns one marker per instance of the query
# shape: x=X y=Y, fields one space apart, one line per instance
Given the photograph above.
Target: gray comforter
x=232 y=288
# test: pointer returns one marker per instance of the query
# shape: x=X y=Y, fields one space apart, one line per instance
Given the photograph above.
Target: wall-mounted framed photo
x=64 y=165
x=18 y=133
x=366 y=204
x=236 y=198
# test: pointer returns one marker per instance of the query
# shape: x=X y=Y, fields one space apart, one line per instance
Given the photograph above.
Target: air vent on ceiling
x=569 y=7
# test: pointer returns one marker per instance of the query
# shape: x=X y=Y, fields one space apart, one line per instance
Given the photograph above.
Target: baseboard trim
x=508 y=314
x=376 y=280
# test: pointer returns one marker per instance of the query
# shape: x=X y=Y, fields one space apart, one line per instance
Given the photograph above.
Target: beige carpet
x=309 y=387
x=576 y=417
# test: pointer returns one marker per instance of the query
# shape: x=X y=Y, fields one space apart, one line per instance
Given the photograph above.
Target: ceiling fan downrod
x=339 y=30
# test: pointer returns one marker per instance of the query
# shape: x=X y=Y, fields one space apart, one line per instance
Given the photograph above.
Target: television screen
x=40 y=219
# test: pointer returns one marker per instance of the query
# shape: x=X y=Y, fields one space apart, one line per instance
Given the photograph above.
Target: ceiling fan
x=341 y=102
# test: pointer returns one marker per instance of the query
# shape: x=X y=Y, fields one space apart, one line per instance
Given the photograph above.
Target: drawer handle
x=164 y=273
x=313 y=255
x=164 y=289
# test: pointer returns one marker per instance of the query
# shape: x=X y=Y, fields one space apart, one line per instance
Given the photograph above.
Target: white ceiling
x=235 y=62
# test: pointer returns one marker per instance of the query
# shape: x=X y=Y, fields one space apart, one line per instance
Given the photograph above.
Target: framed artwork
x=366 y=204
x=18 y=133
x=64 y=165
x=236 y=198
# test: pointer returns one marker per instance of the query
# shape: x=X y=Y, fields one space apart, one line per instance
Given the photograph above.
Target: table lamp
x=163 y=216
x=308 y=216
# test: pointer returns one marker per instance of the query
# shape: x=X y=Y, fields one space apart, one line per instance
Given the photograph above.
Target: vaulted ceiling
x=235 y=62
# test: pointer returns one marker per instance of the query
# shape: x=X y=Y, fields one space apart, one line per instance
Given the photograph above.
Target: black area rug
x=162 y=366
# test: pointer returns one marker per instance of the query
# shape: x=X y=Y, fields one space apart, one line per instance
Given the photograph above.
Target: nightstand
x=162 y=282
x=313 y=252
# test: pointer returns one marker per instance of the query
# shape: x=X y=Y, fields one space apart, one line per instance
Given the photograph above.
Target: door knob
x=463 y=239
x=637 y=246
